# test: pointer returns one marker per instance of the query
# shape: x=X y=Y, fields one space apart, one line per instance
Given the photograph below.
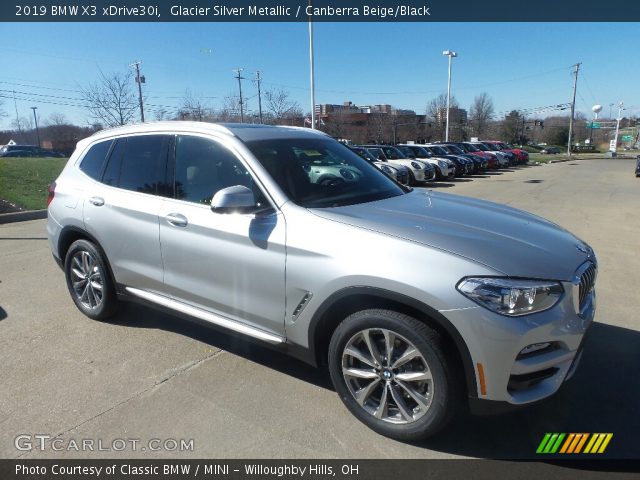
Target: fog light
x=534 y=347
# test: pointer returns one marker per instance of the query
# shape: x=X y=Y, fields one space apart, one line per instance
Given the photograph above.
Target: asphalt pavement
x=148 y=375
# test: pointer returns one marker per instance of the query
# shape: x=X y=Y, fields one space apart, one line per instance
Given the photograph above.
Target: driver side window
x=203 y=167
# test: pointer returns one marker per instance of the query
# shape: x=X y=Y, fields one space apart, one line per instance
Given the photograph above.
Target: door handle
x=97 y=201
x=177 y=220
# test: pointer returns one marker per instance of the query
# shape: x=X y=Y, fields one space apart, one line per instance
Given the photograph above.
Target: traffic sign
x=594 y=125
x=627 y=138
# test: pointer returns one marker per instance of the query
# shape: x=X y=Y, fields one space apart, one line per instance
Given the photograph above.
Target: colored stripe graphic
x=573 y=443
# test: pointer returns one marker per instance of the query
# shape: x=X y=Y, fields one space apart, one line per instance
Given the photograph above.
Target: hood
x=511 y=241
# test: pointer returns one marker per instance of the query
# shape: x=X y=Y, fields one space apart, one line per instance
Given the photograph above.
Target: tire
x=429 y=375
x=89 y=280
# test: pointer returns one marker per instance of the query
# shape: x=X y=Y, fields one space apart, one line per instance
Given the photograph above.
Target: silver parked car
x=415 y=300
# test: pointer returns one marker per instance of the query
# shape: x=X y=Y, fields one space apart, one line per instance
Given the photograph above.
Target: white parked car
x=418 y=170
x=444 y=167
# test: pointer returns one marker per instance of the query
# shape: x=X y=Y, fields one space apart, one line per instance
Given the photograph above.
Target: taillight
x=51 y=189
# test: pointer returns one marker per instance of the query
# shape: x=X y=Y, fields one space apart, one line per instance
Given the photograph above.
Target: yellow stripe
x=567 y=442
x=608 y=438
x=598 y=442
x=590 y=444
x=584 y=439
x=574 y=443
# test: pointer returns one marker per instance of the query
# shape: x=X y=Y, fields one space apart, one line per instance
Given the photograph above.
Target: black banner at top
x=320 y=11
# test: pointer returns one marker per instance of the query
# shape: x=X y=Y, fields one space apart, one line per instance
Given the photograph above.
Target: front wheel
x=391 y=372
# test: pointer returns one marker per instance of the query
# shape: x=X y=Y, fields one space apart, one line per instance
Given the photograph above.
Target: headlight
x=416 y=165
x=387 y=170
x=511 y=297
x=442 y=164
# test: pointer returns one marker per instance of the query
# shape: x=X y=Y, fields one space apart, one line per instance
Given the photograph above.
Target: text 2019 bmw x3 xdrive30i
x=414 y=300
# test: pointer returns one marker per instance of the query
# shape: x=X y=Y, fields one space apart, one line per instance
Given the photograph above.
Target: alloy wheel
x=87 y=280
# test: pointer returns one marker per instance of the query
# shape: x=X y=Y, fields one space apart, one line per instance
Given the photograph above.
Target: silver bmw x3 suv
x=415 y=300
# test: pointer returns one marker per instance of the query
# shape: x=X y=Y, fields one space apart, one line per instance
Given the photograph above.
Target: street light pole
x=615 y=139
x=451 y=55
x=38 y=131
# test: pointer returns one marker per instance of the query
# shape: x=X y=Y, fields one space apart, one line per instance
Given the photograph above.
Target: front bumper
x=496 y=342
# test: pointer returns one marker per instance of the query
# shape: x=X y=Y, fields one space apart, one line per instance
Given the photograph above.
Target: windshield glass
x=364 y=153
x=421 y=152
x=455 y=149
x=438 y=150
x=492 y=146
x=481 y=146
x=392 y=153
x=318 y=172
x=407 y=152
x=471 y=148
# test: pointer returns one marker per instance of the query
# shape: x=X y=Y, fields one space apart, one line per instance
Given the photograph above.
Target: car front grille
x=587 y=281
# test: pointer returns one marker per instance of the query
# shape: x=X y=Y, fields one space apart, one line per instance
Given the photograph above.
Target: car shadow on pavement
x=3 y=313
x=439 y=185
x=140 y=316
x=602 y=397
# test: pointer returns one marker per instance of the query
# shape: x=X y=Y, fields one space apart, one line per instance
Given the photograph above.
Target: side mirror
x=232 y=198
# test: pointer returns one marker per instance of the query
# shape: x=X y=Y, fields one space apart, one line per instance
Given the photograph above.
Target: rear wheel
x=88 y=280
x=391 y=372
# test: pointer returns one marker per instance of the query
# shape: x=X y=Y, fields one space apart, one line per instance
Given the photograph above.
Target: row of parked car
x=28 y=151
x=413 y=164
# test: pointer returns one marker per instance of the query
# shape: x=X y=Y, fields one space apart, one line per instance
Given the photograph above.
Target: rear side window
x=139 y=164
x=93 y=160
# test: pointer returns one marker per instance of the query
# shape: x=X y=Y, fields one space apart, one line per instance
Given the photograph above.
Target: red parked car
x=522 y=155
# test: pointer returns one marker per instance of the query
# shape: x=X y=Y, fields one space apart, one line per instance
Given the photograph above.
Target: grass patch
x=24 y=181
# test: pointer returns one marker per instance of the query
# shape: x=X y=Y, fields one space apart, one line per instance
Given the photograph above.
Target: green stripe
x=543 y=443
x=558 y=442
x=547 y=449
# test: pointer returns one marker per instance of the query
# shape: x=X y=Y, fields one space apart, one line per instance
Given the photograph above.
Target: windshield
x=471 y=148
x=455 y=149
x=481 y=146
x=438 y=150
x=505 y=146
x=407 y=152
x=364 y=153
x=492 y=146
x=318 y=172
x=421 y=152
x=392 y=153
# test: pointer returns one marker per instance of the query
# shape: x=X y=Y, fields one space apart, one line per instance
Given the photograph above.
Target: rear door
x=121 y=211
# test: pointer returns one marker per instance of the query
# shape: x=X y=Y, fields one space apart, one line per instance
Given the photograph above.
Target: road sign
x=594 y=125
x=627 y=138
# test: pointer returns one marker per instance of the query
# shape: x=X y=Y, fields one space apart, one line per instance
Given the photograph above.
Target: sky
x=520 y=65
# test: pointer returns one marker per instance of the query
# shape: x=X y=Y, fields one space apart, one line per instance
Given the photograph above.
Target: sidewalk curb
x=22 y=216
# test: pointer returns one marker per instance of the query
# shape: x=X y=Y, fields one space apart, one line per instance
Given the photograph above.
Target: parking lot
x=148 y=375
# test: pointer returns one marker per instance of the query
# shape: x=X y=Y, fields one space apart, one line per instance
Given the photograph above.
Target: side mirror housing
x=232 y=198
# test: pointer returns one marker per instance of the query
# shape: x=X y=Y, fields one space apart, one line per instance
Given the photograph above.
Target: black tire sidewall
x=428 y=343
x=109 y=300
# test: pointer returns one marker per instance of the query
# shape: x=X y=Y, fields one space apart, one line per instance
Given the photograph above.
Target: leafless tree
x=111 y=100
x=279 y=105
x=480 y=114
x=57 y=119
x=433 y=107
x=193 y=108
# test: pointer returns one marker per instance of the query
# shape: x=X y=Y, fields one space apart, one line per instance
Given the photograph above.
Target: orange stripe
x=575 y=442
x=584 y=439
x=606 y=442
x=598 y=442
x=483 y=385
x=567 y=443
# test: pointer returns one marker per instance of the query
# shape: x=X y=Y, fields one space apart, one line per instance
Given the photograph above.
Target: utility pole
x=451 y=55
x=139 y=80
x=240 y=78
x=573 y=106
x=38 y=131
x=258 y=78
